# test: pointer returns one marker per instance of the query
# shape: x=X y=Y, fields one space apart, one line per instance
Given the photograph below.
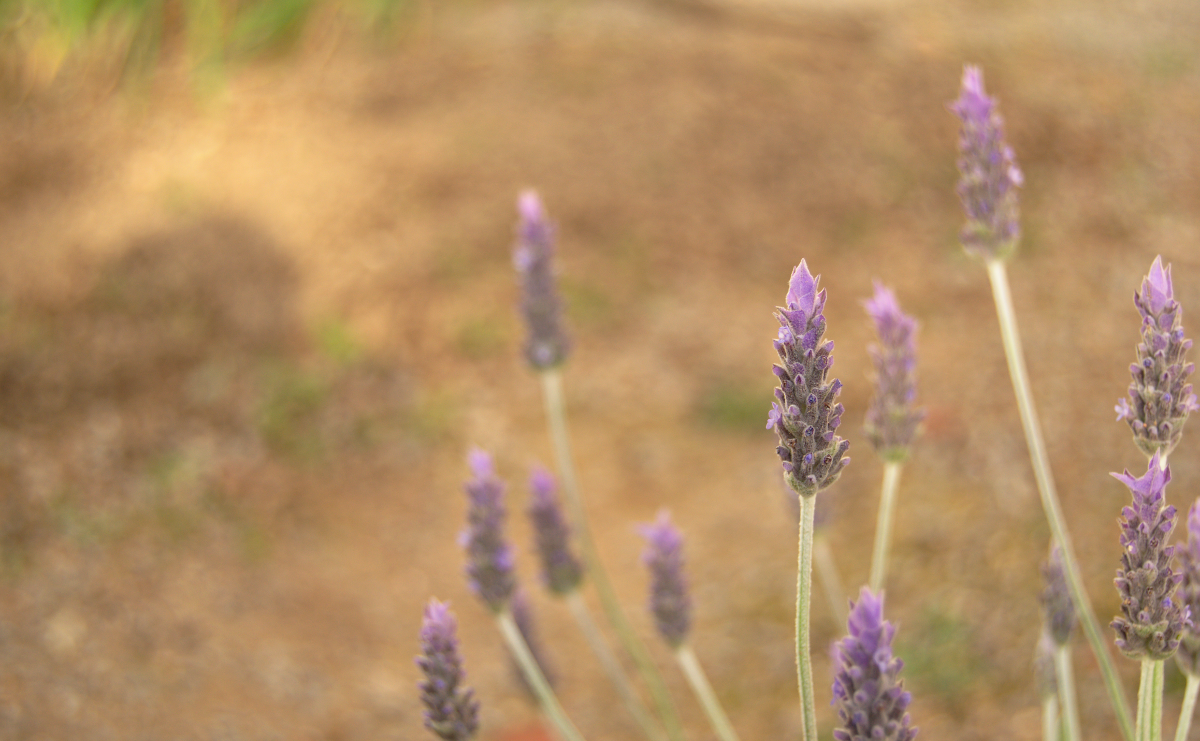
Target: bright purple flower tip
x=529 y=206
x=451 y=711
x=546 y=345
x=802 y=289
x=867 y=689
x=669 y=601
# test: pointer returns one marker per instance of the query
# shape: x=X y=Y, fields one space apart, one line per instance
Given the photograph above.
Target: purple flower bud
x=1058 y=610
x=806 y=414
x=523 y=616
x=1188 y=656
x=867 y=689
x=1044 y=670
x=561 y=571
x=891 y=419
x=489 y=557
x=1159 y=396
x=547 y=343
x=450 y=708
x=989 y=171
x=669 y=601
x=1152 y=620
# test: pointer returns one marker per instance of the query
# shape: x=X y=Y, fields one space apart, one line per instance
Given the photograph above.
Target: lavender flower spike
x=450 y=709
x=891 y=419
x=561 y=571
x=1056 y=600
x=989 y=171
x=1188 y=656
x=489 y=557
x=1152 y=620
x=806 y=414
x=1160 y=395
x=867 y=689
x=669 y=601
x=547 y=344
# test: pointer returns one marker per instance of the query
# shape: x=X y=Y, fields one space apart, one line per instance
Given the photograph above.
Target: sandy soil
x=247 y=337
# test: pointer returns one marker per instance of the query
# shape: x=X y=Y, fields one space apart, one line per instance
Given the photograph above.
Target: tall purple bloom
x=806 y=414
x=489 y=557
x=1152 y=620
x=669 y=601
x=1058 y=609
x=450 y=708
x=990 y=175
x=561 y=571
x=867 y=689
x=1188 y=656
x=1160 y=395
x=547 y=344
x=891 y=419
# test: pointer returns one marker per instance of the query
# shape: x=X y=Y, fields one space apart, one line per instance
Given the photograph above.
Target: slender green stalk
x=883 y=527
x=704 y=692
x=612 y=667
x=556 y=416
x=1149 y=714
x=1050 y=724
x=1189 y=706
x=831 y=582
x=537 y=680
x=1066 y=691
x=808 y=703
x=1045 y=481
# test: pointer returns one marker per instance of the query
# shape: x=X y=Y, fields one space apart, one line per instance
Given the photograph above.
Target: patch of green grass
x=336 y=342
x=732 y=406
x=588 y=305
x=481 y=338
x=287 y=413
x=940 y=657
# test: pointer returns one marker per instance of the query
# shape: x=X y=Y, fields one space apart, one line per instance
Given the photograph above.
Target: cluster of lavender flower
x=1159 y=593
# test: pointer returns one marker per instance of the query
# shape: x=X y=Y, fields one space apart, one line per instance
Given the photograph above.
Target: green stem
x=704 y=692
x=537 y=680
x=808 y=703
x=883 y=527
x=556 y=416
x=1189 y=706
x=1066 y=690
x=1050 y=722
x=1045 y=482
x=830 y=581
x=612 y=667
x=1149 y=714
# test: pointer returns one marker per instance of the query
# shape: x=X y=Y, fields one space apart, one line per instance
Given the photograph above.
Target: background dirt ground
x=247 y=337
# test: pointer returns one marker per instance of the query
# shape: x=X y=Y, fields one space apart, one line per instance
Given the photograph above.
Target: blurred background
x=257 y=301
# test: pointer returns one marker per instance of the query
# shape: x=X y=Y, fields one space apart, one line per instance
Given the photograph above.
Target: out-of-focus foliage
x=130 y=36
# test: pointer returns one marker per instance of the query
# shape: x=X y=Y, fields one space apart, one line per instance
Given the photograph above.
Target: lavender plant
x=1188 y=655
x=1058 y=613
x=547 y=344
x=987 y=188
x=451 y=710
x=892 y=420
x=867 y=690
x=1047 y=685
x=1160 y=398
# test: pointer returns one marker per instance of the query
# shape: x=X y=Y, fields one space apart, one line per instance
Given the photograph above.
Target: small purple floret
x=561 y=571
x=669 y=601
x=805 y=413
x=451 y=711
x=547 y=344
x=990 y=175
x=1188 y=656
x=489 y=557
x=1152 y=621
x=1160 y=398
x=891 y=419
x=867 y=689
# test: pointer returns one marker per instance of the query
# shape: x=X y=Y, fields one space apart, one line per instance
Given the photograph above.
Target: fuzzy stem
x=1066 y=691
x=556 y=416
x=1045 y=481
x=1050 y=724
x=1149 y=716
x=587 y=625
x=883 y=527
x=537 y=680
x=1189 y=705
x=808 y=703
x=704 y=692
x=831 y=582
